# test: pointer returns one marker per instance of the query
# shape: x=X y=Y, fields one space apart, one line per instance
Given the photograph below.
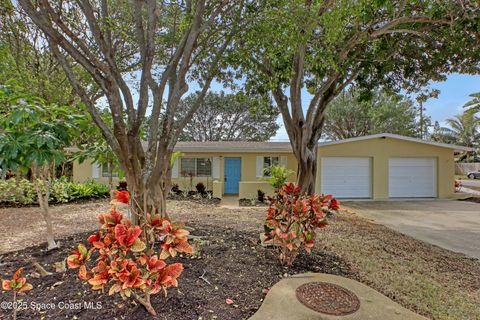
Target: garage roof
x=399 y=137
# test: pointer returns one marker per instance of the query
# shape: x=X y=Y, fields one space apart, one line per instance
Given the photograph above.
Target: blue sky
x=454 y=93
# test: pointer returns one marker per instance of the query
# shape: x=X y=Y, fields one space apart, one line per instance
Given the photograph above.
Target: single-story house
x=379 y=166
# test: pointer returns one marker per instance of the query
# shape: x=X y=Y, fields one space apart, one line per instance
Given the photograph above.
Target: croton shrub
x=131 y=258
x=17 y=285
x=293 y=220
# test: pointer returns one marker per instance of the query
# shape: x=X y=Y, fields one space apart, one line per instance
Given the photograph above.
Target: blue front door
x=232 y=175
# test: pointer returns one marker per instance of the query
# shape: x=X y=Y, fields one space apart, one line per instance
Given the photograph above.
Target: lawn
x=232 y=264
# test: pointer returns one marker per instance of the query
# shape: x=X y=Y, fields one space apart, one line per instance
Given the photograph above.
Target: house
x=379 y=166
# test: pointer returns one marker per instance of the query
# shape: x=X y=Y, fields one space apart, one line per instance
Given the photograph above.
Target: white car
x=473 y=175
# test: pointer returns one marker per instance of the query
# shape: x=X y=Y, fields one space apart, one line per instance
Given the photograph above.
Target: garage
x=347 y=177
x=412 y=177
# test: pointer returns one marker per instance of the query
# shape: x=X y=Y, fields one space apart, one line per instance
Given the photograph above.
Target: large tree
x=33 y=135
x=474 y=104
x=156 y=48
x=26 y=61
x=382 y=112
x=306 y=52
x=230 y=117
x=462 y=129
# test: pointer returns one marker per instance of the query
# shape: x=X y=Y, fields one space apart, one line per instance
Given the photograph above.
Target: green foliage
x=343 y=40
x=175 y=155
x=26 y=60
x=22 y=192
x=277 y=176
x=32 y=131
x=474 y=104
x=87 y=190
x=61 y=191
x=463 y=129
x=92 y=145
x=350 y=115
x=230 y=117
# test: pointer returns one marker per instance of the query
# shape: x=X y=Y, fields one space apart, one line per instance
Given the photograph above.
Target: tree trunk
x=306 y=168
x=110 y=175
x=147 y=198
x=42 y=186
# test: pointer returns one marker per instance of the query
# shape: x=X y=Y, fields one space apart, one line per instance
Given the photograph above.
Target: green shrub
x=277 y=176
x=61 y=191
x=22 y=192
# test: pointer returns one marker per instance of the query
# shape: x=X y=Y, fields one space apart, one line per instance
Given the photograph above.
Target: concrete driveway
x=453 y=225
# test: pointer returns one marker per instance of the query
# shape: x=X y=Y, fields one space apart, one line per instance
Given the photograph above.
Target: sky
x=454 y=93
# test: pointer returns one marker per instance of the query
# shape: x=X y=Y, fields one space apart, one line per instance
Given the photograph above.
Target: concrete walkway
x=281 y=302
x=471 y=191
x=450 y=224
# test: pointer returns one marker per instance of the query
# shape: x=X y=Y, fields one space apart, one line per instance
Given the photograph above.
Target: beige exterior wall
x=249 y=183
x=380 y=150
x=82 y=172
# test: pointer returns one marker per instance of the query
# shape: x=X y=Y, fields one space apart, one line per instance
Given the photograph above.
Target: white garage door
x=347 y=177
x=412 y=177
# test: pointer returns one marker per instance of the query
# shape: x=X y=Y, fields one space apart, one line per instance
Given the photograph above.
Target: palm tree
x=474 y=104
x=465 y=129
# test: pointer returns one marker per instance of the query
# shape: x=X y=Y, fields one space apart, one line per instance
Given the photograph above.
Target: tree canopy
x=33 y=135
x=230 y=117
x=474 y=104
x=26 y=61
x=349 y=116
x=32 y=132
x=322 y=47
x=462 y=129
x=155 y=48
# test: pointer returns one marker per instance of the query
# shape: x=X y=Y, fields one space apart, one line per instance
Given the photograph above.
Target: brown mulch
x=194 y=197
x=471 y=199
x=233 y=262
x=427 y=279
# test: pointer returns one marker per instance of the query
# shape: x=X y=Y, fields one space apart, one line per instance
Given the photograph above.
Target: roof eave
x=399 y=137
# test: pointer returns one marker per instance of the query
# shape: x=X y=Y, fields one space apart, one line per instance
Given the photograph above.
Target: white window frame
x=104 y=172
x=195 y=174
x=264 y=168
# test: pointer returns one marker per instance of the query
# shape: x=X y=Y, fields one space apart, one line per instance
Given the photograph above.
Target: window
x=267 y=163
x=106 y=173
x=197 y=167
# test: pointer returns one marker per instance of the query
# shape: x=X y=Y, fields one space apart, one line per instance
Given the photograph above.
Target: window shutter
x=259 y=170
x=95 y=170
x=216 y=168
x=175 y=169
x=283 y=161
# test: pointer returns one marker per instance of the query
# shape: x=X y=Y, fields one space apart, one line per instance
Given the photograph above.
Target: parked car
x=473 y=175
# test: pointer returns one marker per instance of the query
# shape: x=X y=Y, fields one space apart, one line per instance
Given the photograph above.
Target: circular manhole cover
x=328 y=298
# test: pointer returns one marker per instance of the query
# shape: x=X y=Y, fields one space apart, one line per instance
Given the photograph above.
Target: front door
x=232 y=175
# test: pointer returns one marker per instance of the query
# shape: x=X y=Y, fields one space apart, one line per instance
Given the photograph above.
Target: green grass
x=429 y=280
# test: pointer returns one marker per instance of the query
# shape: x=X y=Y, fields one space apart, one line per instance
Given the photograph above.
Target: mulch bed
x=251 y=203
x=7 y=204
x=234 y=263
x=471 y=199
x=194 y=198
